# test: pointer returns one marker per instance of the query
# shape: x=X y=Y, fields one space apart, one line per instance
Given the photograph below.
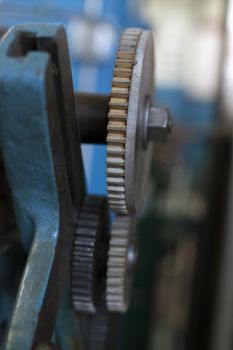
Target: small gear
x=90 y=254
x=128 y=160
x=100 y=330
x=97 y=330
x=122 y=258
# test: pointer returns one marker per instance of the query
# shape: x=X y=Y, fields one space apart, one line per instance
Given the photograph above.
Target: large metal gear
x=90 y=254
x=118 y=114
x=122 y=258
x=128 y=154
x=133 y=122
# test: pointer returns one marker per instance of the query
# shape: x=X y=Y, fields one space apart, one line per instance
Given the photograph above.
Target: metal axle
x=92 y=115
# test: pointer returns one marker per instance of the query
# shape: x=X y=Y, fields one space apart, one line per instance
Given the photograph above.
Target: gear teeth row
x=117 y=125
x=117 y=292
x=97 y=331
x=84 y=255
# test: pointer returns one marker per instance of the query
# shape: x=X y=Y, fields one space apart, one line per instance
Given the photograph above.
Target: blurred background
x=183 y=288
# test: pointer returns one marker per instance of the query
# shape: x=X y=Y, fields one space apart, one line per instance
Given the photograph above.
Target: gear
x=122 y=258
x=119 y=101
x=100 y=329
x=97 y=331
x=131 y=95
x=90 y=254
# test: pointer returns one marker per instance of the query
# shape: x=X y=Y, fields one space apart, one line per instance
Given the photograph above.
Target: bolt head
x=159 y=124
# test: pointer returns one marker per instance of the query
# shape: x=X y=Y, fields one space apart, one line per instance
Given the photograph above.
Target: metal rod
x=92 y=114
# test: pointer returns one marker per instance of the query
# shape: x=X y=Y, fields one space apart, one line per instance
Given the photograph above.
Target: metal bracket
x=40 y=143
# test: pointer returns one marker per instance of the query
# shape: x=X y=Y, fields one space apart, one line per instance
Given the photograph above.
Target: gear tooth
x=117 y=126
x=121 y=82
x=117 y=114
x=117 y=172
x=128 y=55
x=119 y=93
x=116 y=181
x=117 y=196
x=116 y=150
x=123 y=72
x=82 y=231
x=118 y=103
x=116 y=161
x=119 y=63
x=118 y=138
x=119 y=189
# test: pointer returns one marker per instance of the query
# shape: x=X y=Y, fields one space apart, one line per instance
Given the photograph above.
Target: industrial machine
x=71 y=250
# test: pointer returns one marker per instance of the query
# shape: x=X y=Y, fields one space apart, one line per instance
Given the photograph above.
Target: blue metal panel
x=32 y=154
x=34 y=189
x=29 y=204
